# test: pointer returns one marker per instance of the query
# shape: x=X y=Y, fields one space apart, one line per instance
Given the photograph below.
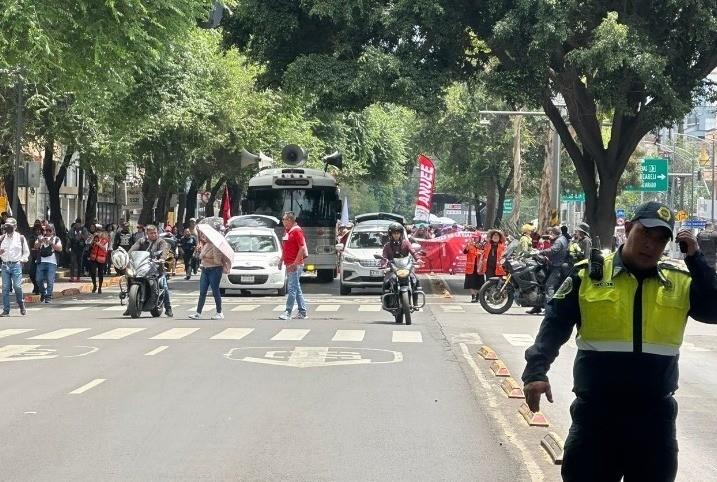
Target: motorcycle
x=524 y=284
x=398 y=298
x=143 y=289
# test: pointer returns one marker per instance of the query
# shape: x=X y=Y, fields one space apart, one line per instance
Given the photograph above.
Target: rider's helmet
x=120 y=259
x=395 y=228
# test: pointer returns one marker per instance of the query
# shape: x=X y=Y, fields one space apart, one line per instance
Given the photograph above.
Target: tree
x=639 y=65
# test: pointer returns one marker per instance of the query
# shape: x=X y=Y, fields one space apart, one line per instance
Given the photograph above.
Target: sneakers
x=23 y=311
x=168 y=312
x=301 y=316
x=218 y=316
x=534 y=311
x=194 y=316
x=47 y=301
x=285 y=316
x=5 y=313
x=187 y=277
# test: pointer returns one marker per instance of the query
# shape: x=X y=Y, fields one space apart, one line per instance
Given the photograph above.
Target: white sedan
x=257 y=261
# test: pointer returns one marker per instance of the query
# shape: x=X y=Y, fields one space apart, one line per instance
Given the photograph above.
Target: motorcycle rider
x=157 y=247
x=398 y=247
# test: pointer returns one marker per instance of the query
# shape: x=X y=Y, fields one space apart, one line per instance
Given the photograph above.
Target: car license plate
x=375 y=273
x=247 y=279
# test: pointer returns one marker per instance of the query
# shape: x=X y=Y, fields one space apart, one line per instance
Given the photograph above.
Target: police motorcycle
x=524 y=283
x=141 y=287
x=400 y=296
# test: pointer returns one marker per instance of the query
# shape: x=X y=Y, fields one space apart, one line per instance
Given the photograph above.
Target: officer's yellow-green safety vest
x=607 y=309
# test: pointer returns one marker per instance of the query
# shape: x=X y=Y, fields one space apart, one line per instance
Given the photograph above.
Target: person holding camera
x=14 y=251
x=48 y=245
x=473 y=280
x=99 y=252
x=630 y=309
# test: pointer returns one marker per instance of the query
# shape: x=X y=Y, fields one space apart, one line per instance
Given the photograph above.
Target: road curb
x=554 y=445
x=74 y=291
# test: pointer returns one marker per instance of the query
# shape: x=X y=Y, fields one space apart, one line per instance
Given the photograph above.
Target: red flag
x=226 y=205
x=426 y=183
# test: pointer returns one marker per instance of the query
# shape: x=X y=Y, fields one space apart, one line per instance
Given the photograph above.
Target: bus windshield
x=314 y=207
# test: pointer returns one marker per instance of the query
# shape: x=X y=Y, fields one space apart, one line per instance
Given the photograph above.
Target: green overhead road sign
x=654 y=176
x=574 y=197
x=507 y=206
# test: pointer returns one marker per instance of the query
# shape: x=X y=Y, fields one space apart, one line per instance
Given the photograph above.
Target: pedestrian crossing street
x=213 y=333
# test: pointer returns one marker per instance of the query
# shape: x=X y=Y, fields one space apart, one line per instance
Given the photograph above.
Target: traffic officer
x=630 y=321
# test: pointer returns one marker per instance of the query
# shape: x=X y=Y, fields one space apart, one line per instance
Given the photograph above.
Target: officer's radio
x=596 y=260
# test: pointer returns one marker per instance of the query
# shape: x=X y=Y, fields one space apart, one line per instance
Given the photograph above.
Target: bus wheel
x=326 y=275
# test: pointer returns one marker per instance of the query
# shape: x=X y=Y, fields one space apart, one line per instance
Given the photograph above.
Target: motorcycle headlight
x=403 y=273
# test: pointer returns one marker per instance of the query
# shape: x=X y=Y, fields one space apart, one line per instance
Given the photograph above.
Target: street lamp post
x=18 y=143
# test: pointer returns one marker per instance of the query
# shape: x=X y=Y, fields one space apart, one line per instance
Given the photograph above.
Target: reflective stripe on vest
x=606 y=310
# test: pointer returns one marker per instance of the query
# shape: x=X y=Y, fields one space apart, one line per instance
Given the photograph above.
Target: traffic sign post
x=507 y=206
x=653 y=176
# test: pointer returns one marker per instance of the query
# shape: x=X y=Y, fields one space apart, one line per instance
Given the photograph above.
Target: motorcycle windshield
x=402 y=263
x=140 y=262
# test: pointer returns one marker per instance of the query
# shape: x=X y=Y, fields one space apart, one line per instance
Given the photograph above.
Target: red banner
x=426 y=184
x=445 y=254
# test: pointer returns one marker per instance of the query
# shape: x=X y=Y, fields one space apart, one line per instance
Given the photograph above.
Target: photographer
x=14 y=251
x=49 y=245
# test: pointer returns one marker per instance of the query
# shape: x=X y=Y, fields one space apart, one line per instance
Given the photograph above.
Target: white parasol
x=216 y=238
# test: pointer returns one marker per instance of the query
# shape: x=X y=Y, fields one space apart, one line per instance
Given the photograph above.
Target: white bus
x=313 y=196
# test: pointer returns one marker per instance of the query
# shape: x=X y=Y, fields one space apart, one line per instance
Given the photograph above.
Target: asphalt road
x=345 y=395
x=510 y=334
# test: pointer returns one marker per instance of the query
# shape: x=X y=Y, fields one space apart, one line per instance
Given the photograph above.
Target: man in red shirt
x=294 y=254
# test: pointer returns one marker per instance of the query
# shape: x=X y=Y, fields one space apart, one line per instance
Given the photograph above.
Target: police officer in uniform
x=630 y=321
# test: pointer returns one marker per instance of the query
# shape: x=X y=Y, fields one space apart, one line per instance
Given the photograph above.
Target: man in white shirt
x=13 y=251
x=49 y=245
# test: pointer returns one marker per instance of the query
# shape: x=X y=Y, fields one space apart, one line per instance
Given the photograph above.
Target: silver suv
x=359 y=268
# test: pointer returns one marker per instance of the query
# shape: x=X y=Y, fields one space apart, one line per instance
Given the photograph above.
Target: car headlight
x=403 y=273
x=350 y=259
x=275 y=261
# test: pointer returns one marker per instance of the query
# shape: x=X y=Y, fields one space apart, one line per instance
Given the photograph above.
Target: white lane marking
x=370 y=308
x=452 y=309
x=349 y=335
x=9 y=351
x=245 y=308
x=407 y=337
x=74 y=308
x=489 y=392
x=159 y=349
x=115 y=308
x=289 y=334
x=519 y=339
x=232 y=334
x=34 y=309
x=279 y=308
x=174 y=334
x=57 y=334
x=14 y=331
x=328 y=307
x=116 y=334
x=87 y=386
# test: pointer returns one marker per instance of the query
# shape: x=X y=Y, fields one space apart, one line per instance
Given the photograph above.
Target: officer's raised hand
x=690 y=240
x=533 y=391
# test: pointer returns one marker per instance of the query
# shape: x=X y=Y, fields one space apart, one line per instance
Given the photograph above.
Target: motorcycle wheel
x=133 y=302
x=155 y=312
x=491 y=298
x=406 y=307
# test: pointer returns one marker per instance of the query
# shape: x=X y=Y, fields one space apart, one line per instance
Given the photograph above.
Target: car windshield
x=368 y=239
x=252 y=243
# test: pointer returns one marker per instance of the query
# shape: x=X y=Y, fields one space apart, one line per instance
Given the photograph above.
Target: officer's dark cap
x=655 y=215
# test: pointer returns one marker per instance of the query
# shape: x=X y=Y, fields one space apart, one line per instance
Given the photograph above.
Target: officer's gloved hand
x=533 y=391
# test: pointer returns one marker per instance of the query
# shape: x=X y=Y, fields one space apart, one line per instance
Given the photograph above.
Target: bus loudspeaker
x=293 y=155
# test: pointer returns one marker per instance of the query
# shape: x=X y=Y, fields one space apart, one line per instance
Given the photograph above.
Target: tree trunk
x=517 y=172
x=21 y=216
x=491 y=206
x=545 y=189
x=150 y=191
x=191 y=203
x=235 y=191
x=54 y=182
x=91 y=208
x=209 y=209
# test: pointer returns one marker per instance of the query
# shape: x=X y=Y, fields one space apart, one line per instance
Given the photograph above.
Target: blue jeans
x=11 y=273
x=163 y=284
x=210 y=277
x=46 y=274
x=294 y=291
